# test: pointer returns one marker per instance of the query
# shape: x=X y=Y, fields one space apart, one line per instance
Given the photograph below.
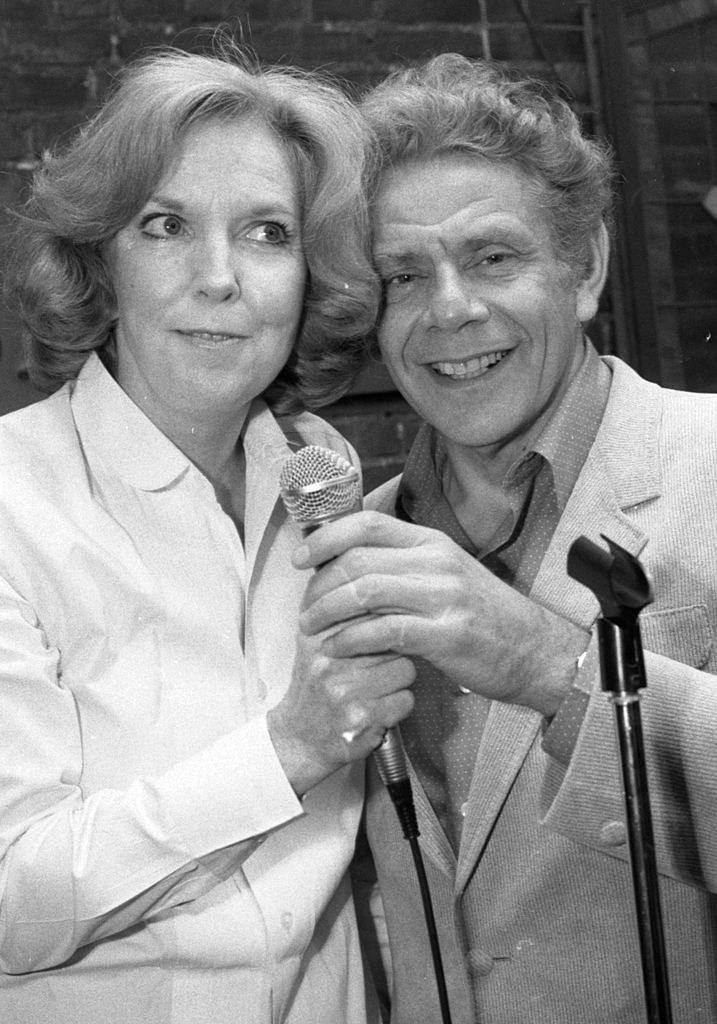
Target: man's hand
x=393 y=586
x=336 y=709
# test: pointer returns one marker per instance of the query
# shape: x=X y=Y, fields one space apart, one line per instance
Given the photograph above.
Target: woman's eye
x=162 y=226
x=271 y=232
x=172 y=225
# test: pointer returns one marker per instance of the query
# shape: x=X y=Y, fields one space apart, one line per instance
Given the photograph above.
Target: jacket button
x=479 y=963
x=613 y=833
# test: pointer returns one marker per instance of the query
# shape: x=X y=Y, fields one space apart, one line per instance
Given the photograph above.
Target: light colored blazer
x=536 y=914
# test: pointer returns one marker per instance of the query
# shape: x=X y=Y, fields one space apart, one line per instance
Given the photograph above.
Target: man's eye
x=270 y=232
x=399 y=281
x=398 y=287
x=501 y=259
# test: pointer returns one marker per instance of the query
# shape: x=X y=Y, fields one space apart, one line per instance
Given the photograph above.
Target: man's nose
x=455 y=301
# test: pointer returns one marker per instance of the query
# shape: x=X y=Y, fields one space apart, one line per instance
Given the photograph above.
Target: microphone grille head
x=318 y=484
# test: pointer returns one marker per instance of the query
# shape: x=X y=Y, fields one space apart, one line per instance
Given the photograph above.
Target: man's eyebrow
x=472 y=238
x=397 y=259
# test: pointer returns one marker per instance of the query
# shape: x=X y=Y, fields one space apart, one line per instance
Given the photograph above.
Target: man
x=490 y=217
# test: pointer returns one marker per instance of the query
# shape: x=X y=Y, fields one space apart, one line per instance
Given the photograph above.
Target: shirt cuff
x=234 y=790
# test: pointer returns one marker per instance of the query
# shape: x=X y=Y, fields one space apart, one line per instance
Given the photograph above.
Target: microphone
x=317 y=486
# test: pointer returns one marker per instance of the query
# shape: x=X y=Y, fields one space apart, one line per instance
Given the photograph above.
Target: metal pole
x=623 y=589
x=616 y=654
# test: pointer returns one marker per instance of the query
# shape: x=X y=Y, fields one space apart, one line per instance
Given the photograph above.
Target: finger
x=392 y=710
x=378 y=676
x=432 y=575
x=362 y=580
x=369 y=727
x=401 y=634
x=367 y=597
x=351 y=686
x=362 y=529
x=379 y=665
x=358 y=562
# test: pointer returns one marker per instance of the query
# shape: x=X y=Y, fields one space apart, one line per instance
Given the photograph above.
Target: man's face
x=482 y=325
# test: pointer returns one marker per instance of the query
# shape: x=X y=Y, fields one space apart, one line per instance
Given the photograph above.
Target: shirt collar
x=420 y=496
x=570 y=432
x=115 y=431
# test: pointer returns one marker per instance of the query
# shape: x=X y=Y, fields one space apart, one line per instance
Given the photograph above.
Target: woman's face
x=209 y=277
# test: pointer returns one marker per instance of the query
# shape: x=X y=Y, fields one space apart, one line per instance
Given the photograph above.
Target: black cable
x=432 y=932
x=402 y=796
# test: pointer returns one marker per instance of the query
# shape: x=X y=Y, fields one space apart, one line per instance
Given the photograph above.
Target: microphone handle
x=390 y=760
x=390 y=756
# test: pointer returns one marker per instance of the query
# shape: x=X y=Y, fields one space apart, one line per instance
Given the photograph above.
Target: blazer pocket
x=683 y=634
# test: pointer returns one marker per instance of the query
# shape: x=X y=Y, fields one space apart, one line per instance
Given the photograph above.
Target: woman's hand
x=337 y=709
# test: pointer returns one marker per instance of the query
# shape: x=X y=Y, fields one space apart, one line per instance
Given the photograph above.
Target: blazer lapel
x=620 y=473
x=507 y=738
x=591 y=512
x=434 y=841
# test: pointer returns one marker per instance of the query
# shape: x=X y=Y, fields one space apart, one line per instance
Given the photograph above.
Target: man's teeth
x=469 y=368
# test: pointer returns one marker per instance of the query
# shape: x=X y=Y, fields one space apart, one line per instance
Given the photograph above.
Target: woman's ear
x=590 y=288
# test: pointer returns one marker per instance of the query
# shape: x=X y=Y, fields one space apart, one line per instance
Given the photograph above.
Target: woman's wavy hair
x=451 y=104
x=82 y=196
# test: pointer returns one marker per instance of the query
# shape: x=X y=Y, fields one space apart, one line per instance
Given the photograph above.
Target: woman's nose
x=217 y=270
x=455 y=301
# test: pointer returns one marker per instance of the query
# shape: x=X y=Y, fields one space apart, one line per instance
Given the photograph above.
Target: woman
x=177 y=808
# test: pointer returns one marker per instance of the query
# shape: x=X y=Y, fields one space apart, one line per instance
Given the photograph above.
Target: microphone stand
x=623 y=589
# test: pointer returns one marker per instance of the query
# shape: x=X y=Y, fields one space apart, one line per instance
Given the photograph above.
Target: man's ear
x=590 y=288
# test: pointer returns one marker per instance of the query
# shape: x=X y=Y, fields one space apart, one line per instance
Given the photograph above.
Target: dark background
x=641 y=72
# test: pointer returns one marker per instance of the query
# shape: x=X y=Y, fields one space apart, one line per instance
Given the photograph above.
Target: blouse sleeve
x=76 y=867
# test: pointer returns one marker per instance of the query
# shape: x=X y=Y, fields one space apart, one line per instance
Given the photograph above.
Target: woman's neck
x=217 y=451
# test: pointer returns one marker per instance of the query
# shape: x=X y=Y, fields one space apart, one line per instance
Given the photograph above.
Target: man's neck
x=465 y=479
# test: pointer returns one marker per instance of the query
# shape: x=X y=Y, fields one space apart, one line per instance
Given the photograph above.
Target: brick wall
x=57 y=57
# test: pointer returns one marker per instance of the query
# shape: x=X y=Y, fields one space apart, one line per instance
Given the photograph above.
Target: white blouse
x=155 y=863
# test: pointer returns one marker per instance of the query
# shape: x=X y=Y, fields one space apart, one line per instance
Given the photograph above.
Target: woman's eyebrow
x=166 y=202
x=263 y=208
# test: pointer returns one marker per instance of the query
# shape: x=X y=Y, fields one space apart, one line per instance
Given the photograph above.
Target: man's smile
x=469 y=368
